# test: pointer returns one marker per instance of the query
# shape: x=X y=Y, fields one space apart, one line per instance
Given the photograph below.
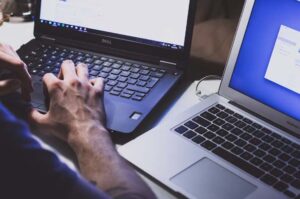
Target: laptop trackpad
x=207 y=179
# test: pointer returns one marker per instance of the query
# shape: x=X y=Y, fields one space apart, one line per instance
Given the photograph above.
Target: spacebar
x=254 y=171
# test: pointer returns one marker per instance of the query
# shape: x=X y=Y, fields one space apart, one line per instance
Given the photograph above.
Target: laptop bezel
x=276 y=117
x=176 y=56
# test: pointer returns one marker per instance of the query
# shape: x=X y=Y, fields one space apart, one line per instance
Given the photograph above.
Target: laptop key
x=240 y=143
x=238 y=116
x=138 y=89
x=222 y=133
x=239 y=162
x=222 y=115
x=152 y=82
x=274 y=152
x=259 y=153
x=257 y=126
x=198 y=139
x=191 y=125
x=209 y=135
x=125 y=95
x=115 y=93
x=208 y=116
x=246 y=156
x=230 y=112
x=289 y=194
x=290 y=170
x=240 y=124
x=237 y=150
x=236 y=131
x=137 y=98
x=213 y=128
x=200 y=130
x=231 y=119
x=250 y=148
x=189 y=134
x=266 y=131
x=131 y=81
x=201 y=121
x=208 y=145
x=284 y=157
x=287 y=149
x=249 y=129
x=296 y=184
x=214 y=110
x=287 y=178
x=228 y=126
x=268 y=179
x=269 y=158
x=219 y=122
x=266 y=167
x=219 y=106
x=255 y=141
x=296 y=154
x=231 y=138
x=256 y=161
x=246 y=136
x=276 y=172
x=228 y=145
x=247 y=121
x=279 y=164
x=265 y=147
x=218 y=140
x=294 y=162
x=141 y=83
x=277 y=144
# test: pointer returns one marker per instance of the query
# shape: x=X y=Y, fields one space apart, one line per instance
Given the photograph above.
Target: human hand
x=75 y=108
x=10 y=61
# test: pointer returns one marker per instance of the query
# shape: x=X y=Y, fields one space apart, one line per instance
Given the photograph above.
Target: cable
x=206 y=78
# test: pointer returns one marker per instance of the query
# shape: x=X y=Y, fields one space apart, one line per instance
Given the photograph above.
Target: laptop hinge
x=264 y=119
x=48 y=38
x=167 y=63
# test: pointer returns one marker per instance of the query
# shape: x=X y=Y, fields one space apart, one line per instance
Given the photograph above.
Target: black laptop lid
x=161 y=28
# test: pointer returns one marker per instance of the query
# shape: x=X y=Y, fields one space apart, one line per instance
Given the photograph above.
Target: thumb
x=9 y=86
x=37 y=118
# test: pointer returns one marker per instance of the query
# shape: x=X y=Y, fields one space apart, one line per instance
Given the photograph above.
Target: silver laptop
x=244 y=141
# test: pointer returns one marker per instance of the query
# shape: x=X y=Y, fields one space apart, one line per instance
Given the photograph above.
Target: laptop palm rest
x=206 y=179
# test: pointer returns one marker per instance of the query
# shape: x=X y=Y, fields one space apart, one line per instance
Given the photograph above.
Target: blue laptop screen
x=268 y=65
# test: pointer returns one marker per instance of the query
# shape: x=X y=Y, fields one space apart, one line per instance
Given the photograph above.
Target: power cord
x=206 y=78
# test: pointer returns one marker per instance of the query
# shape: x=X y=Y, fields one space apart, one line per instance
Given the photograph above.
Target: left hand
x=10 y=61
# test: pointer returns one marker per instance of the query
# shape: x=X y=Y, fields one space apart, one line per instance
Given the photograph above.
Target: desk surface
x=19 y=34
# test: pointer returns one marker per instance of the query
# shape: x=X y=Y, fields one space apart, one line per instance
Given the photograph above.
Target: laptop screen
x=268 y=65
x=161 y=23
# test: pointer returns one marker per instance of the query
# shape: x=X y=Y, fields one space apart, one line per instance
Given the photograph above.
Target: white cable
x=206 y=78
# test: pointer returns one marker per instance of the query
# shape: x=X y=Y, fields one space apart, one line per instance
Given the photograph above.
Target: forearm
x=101 y=164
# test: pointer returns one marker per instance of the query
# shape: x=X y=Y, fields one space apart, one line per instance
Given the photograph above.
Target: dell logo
x=106 y=41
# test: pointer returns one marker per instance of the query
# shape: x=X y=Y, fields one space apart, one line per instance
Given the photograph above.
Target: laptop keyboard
x=253 y=148
x=125 y=79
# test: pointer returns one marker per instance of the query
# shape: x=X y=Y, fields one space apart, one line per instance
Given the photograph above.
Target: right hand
x=76 y=106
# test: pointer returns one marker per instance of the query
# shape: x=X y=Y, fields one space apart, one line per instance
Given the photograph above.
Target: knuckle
x=75 y=83
x=55 y=86
x=98 y=92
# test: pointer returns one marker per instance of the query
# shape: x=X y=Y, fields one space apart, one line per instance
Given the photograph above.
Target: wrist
x=88 y=138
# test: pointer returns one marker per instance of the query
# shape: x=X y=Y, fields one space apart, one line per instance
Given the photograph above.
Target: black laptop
x=139 y=47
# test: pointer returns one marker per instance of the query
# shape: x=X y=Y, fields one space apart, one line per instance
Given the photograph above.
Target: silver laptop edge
x=174 y=155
